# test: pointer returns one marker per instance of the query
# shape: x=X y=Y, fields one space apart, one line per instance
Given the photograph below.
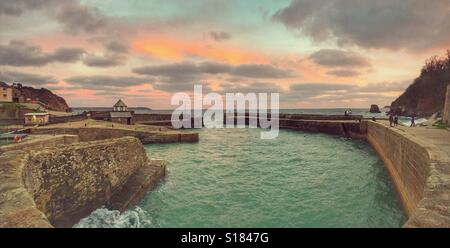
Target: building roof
x=31 y=114
x=3 y=84
x=120 y=114
x=120 y=103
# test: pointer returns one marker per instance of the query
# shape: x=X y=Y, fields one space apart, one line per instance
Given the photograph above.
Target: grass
x=441 y=125
x=10 y=105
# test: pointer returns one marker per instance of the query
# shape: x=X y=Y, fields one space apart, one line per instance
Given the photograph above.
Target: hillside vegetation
x=426 y=95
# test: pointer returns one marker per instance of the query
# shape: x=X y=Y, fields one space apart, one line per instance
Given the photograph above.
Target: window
x=4 y=95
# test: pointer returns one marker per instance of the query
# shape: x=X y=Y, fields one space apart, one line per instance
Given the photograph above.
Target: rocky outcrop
x=374 y=109
x=426 y=95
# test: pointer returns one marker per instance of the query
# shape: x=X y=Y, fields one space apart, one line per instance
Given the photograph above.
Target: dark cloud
x=190 y=70
x=17 y=7
x=80 y=18
x=220 y=36
x=343 y=73
x=392 y=24
x=104 y=61
x=26 y=78
x=182 y=76
x=261 y=71
x=117 y=47
x=72 y=14
x=66 y=55
x=18 y=53
x=102 y=82
x=338 y=58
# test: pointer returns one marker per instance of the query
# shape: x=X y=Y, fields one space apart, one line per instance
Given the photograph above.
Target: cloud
x=17 y=7
x=323 y=92
x=190 y=70
x=18 y=53
x=387 y=24
x=182 y=76
x=253 y=87
x=261 y=71
x=386 y=87
x=26 y=78
x=311 y=90
x=102 y=82
x=338 y=58
x=343 y=73
x=72 y=14
x=108 y=60
x=117 y=47
x=220 y=36
x=80 y=18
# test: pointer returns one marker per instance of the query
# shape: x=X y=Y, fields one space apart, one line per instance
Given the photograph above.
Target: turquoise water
x=231 y=178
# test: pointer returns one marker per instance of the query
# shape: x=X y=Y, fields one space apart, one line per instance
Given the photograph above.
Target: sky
x=315 y=53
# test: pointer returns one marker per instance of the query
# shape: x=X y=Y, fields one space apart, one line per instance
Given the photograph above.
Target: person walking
x=413 y=121
x=395 y=120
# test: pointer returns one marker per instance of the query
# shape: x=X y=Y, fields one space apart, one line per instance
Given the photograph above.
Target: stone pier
x=56 y=186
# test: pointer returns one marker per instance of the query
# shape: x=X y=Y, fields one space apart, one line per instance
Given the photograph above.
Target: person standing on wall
x=391 y=120
x=395 y=120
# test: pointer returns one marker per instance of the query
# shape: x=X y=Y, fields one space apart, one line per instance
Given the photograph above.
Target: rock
x=374 y=109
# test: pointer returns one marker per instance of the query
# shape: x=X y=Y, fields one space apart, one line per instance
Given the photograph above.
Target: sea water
x=231 y=178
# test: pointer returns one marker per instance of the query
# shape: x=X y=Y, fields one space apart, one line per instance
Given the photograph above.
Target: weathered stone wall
x=69 y=182
x=56 y=186
x=419 y=171
x=406 y=161
x=344 y=128
x=37 y=142
x=91 y=134
x=17 y=207
x=137 y=118
x=70 y=118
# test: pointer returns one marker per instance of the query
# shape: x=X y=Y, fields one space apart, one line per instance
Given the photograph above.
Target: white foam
x=105 y=218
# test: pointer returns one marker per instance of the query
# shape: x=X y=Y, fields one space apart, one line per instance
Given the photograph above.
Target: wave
x=105 y=218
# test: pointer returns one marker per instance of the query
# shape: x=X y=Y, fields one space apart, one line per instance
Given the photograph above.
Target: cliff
x=426 y=95
x=53 y=102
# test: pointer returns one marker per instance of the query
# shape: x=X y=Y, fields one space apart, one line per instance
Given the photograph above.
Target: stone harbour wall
x=40 y=141
x=71 y=181
x=419 y=171
x=94 y=133
x=350 y=129
x=57 y=186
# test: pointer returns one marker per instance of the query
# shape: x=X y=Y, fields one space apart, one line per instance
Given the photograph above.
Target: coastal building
x=446 y=115
x=6 y=92
x=37 y=118
x=120 y=113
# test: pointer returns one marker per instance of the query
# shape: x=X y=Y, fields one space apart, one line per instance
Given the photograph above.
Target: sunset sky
x=316 y=53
